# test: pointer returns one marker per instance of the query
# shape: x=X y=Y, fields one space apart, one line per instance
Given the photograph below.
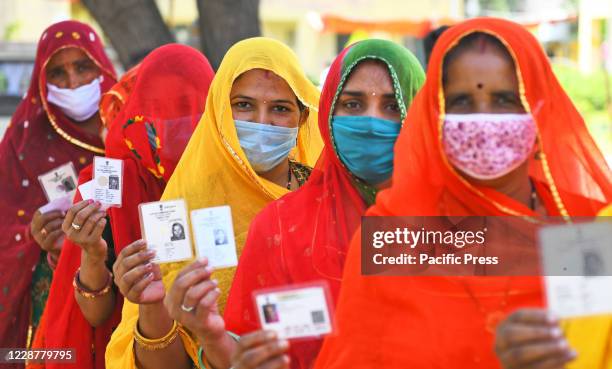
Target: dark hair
x=474 y=41
x=430 y=41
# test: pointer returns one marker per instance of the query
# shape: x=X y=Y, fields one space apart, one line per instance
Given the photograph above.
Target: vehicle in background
x=16 y=64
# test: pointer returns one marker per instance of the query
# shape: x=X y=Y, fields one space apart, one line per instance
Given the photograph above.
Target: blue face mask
x=365 y=145
x=265 y=145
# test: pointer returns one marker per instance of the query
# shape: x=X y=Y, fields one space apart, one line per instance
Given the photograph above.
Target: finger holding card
x=46 y=230
x=261 y=349
x=138 y=279
x=84 y=224
x=532 y=338
x=192 y=301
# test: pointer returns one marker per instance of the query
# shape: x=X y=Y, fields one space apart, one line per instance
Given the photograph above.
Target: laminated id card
x=165 y=227
x=577 y=261
x=59 y=186
x=213 y=232
x=108 y=181
x=295 y=312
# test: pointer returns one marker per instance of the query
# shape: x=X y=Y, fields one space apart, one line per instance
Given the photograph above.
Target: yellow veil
x=214 y=170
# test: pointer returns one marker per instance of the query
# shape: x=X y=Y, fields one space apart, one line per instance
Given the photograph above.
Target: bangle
x=89 y=294
x=158 y=343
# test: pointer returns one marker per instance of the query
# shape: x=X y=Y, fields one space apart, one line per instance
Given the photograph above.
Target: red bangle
x=88 y=294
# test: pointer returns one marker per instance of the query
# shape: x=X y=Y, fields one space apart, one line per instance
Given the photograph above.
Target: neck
x=278 y=174
x=91 y=125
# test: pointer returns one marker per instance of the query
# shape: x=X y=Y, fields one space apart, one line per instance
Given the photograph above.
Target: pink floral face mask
x=488 y=146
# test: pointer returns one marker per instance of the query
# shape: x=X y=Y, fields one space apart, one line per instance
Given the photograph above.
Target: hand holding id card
x=59 y=185
x=214 y=236
x=165 y=227
x=295 y=312
x=108 y=181
x=577 y=261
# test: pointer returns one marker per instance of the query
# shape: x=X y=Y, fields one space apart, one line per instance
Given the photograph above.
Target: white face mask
x=80 y=103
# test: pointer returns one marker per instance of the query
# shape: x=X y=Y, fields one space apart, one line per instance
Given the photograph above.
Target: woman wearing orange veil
x=488 y=82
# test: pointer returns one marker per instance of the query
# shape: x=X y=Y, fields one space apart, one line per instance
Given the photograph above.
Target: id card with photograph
x=59 y=186
x=214 y=236
x=297 y=312
x=108 y=180
x=165 y=227
x=577 y=262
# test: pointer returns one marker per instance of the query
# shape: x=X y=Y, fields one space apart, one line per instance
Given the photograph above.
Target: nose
x=263 y=116
x=73 y=80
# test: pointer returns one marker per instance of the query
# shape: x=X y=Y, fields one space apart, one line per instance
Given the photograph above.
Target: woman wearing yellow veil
x=259 y=125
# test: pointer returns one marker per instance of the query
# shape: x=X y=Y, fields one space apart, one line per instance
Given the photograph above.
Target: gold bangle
x=158 y=343
x=88 y=294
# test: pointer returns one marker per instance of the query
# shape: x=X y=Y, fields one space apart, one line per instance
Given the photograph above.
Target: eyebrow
x=360 y=94
x=277 y=101
x=83 y=61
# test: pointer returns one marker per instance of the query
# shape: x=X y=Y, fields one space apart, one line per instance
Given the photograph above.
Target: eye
x=352 y=105
x=394 y=107
x=505 y=99
x=460 y=101
x=281 y=109
x=243 y=105
x=55 y=73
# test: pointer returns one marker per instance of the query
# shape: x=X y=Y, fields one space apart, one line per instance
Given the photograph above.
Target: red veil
x=165 y=98
x=434 y=322
x=303 y=236
x=39 y=138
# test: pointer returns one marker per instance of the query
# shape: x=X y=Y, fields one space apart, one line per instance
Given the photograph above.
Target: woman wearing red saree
x=149 y=132
x=303 y=237
x=56 y=123
x=487 y=67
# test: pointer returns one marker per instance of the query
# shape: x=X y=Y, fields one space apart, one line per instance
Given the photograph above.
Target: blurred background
x=576 y=35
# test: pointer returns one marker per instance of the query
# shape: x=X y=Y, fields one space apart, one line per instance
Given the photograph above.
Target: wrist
x=92 y=259
x=213 y=339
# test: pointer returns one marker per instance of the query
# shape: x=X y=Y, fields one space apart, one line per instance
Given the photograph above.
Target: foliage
x=588 y=92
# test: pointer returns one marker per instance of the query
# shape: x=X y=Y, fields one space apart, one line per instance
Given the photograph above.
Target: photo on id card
x=213 y=234
x=577 y=263
x=165 y=228
x=296 y=312
x=108 y=181
x=59 y=182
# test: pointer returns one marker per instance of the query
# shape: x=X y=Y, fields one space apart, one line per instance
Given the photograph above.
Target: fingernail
x=90 y=201
x=556 y=333
x=149 y=276
x=150 y=253
x=283 y=344
x=218 y=290
x=215 y=282
x=286 y=359
x=270 y=335
x=551 y=319
x=208 y=270
x=562 y=344
x=573 y=354
x=63 y=213
x=149 y=266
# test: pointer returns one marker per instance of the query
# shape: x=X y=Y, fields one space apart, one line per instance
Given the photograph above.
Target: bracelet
x=88 y=294
x=203 y=363
x=158 y=343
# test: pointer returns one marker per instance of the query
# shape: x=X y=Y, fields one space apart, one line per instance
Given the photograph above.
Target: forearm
x=94 y=276
x=218 y=352
x=154 y=322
